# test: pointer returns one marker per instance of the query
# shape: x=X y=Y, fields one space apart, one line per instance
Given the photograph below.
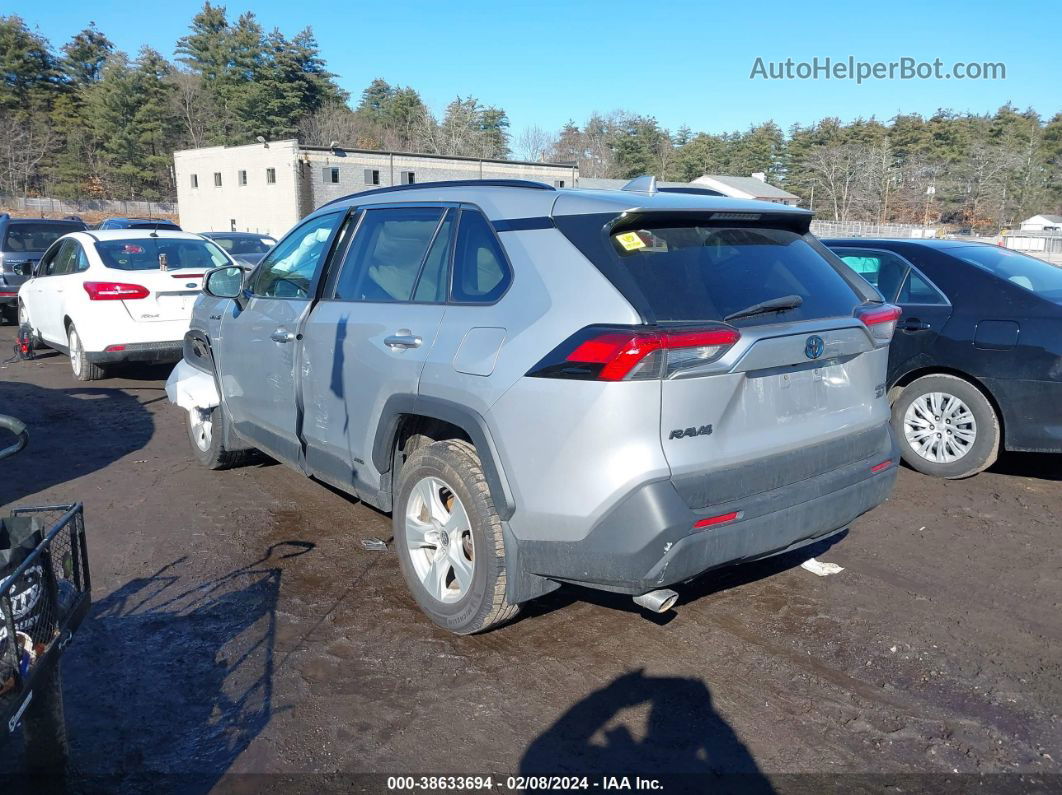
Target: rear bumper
x=161 y=352
x=648 y=540
x=1032 y=413
x=8 y=298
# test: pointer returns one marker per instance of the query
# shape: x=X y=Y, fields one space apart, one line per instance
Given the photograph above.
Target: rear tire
x=946 y=427
x=206 y=430
x=83 y=369
x=449 y=539
x=8 y=315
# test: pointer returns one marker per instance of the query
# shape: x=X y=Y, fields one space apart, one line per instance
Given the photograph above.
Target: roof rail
x=451 y=183
x=643 y=184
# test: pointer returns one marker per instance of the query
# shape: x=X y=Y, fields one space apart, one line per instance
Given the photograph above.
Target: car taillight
x=602 y=353
x=114 y=291
x=880 y=320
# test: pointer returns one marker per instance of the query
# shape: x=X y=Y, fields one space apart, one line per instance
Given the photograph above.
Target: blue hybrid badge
x=814 y=347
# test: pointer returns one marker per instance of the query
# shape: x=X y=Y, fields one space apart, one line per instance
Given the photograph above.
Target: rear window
x=36 y=237
x=1033 y=274
x=245 y=245
x=144 y=254
x=679 y=273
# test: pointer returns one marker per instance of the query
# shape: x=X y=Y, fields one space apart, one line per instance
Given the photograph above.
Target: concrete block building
x=268 y=187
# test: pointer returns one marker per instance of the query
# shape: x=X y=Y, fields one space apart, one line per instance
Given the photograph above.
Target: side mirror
x=226 y=282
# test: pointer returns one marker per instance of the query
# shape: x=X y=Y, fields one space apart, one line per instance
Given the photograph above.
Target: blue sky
x=683 y=62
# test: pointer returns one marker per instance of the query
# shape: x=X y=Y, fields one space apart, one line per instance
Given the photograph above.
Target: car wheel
x=946 y=427
x=8 y=314
x=206 y=430
x=449 y=539
x=84 y=370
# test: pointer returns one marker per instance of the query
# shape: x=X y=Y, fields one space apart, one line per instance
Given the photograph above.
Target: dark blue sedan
x=976 y=362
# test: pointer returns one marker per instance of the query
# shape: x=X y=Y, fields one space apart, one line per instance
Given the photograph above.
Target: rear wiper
x=762 y=308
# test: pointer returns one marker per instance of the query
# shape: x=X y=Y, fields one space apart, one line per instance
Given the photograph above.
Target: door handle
x=282 y=335
x=403 y=339
x=914 y=324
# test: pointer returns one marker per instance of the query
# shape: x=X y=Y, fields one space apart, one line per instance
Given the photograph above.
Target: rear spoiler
x=795 y=220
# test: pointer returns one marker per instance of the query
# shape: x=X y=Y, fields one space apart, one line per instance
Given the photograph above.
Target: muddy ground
x=240 y=627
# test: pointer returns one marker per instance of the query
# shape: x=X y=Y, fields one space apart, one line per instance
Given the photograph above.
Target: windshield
x=36 y=237
x=1033 y=274
x=143 y=254
x=705 y=272
x=245 y=245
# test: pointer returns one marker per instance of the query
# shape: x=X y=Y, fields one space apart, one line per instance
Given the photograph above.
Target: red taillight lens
x=114 y=291
x=880 y=320
x=614 y=354
x=713 y=520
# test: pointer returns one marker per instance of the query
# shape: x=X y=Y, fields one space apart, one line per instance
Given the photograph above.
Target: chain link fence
x=42 y=205
x=865 y=229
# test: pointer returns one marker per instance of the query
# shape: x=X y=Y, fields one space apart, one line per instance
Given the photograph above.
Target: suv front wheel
x=449 y=539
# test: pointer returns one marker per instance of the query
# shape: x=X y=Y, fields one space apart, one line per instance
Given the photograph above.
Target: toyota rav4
x=619 y=389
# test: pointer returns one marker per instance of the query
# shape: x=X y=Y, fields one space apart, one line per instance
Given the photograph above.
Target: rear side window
x=695 y=272
x=35 y=237
x=389 y=251
x=917 y=290
x=481 y=272
x=882 y=269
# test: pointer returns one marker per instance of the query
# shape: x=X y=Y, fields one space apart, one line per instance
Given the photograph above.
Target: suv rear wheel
x=449 y=539
x=946 y=427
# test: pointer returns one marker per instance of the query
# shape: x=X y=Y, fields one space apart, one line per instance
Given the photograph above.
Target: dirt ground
x=240 y=627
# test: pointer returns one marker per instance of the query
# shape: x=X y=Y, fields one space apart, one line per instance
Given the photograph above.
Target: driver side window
x=288 y=271
x=63 y=262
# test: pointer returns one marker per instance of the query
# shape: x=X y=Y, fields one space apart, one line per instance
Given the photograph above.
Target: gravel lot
x=239 y=627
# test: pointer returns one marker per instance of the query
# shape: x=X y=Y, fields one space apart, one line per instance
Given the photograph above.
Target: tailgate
x=172 y=295
x=774 y=413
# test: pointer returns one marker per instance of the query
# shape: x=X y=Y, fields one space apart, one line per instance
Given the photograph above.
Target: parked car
x=22 y=242
x=247 y=248
x=977 y=364
x=138 y=223
x=621 y=389
x=116 y=296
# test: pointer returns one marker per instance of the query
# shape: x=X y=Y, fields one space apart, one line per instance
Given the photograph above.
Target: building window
x=271 y=176
x=195 y=180
x=217 y=179
x=243 y=177
x=558 y=183
x=330 y=174
x=372 y=176
x=408 y=178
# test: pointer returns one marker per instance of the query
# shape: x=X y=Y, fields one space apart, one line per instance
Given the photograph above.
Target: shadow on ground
x=189 y=662
x=660 y=727
x=60 y=421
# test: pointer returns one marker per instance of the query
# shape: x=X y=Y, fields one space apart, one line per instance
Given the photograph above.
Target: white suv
x=116 y=295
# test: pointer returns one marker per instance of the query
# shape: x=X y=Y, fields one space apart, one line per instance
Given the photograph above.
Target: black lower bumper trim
x=140 y=352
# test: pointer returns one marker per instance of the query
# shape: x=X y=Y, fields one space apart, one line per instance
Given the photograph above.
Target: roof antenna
x=155 y=229
x=643 y=184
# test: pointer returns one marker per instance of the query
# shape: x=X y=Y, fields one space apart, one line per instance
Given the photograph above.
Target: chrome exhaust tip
x=659 y=601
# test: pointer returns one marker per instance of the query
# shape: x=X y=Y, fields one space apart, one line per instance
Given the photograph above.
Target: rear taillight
x=599 y=353
x=880 y=320
x=114 y=291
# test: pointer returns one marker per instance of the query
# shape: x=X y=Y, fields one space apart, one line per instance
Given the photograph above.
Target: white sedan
x=116 y=295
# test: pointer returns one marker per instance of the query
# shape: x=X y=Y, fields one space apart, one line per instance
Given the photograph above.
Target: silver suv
x=620 y=389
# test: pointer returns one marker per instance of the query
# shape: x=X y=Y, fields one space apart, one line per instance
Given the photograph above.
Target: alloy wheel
x=439 y=539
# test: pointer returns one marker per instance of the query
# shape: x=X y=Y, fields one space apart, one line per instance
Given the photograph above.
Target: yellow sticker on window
x=631 y=241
